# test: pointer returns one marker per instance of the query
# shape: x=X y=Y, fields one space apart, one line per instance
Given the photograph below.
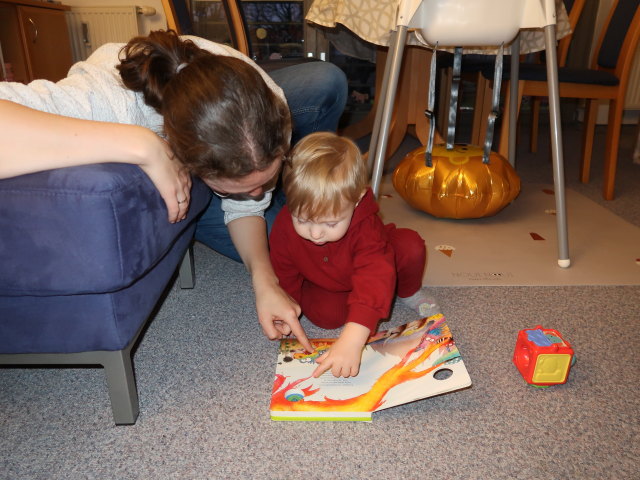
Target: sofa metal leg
x=118 y=368
x=122 y=386
x=187 y=273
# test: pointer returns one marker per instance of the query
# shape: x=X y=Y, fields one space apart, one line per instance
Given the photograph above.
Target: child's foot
x=422 y=303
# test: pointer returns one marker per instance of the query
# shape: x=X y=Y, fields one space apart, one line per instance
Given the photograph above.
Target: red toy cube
x=542 y=356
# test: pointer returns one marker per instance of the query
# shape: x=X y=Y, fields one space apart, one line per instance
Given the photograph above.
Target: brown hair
x=323 y=172
x=220 y=117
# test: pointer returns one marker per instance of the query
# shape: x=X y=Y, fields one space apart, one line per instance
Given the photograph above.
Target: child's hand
x=343 y=358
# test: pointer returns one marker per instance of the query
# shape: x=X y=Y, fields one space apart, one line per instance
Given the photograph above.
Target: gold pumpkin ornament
x=459 y=184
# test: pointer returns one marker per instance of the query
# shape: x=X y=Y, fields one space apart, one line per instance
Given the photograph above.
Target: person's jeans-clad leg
x=212 y=231
x=316 y=93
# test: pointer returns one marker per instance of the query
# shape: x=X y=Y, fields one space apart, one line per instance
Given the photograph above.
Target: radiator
x=90 y=27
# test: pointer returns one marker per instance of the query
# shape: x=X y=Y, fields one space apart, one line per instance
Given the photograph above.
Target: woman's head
x=324 y=174
x=220 y=117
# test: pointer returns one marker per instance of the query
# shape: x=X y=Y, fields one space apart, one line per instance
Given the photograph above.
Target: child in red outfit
x=334 y=256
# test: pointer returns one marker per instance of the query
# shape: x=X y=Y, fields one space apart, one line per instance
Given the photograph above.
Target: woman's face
x=249 y=187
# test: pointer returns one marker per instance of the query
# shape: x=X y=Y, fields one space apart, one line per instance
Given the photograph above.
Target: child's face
x=325 y=229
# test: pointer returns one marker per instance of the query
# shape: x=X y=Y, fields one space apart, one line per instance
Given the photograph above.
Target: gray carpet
x=205 y=372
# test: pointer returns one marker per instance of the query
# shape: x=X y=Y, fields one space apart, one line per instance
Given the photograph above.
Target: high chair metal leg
x=380 y=135
x=556 y=145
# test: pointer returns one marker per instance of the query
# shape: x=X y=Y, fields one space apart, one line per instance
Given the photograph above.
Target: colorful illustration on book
x=398 y=366
x=300 y=354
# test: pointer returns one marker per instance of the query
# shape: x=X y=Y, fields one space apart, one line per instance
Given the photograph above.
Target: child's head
x=323 y=181
x=220 y=117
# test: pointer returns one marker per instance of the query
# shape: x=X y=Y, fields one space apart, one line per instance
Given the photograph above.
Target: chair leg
x=590 y=113
x=535 y=118
x=122 y=386
x=611 y=149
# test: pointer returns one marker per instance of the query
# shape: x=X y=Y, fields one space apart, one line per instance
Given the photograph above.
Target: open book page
x=406 y=363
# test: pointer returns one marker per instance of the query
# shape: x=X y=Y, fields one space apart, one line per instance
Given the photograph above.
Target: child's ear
x=361 y=195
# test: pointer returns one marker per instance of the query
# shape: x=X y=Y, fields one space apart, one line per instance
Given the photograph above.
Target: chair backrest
x=574 y=11
x=619 y=38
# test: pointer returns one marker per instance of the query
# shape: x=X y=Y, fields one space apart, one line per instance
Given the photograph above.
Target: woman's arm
x=277 y=311
x=33 y=141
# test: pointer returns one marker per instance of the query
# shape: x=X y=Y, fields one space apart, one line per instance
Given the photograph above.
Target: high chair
x=473 y=23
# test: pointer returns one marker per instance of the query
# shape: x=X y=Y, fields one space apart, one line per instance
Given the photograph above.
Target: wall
x=145 y=23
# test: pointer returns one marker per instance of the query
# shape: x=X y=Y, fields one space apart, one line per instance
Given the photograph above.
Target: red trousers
x=330 y=309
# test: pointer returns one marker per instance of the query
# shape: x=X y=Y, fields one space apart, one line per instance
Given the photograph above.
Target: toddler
x=335 y=257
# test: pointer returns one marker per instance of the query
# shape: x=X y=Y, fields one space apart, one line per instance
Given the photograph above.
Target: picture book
x=399 y=365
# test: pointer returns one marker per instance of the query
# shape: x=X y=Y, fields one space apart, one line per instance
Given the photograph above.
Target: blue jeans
x=316 y=93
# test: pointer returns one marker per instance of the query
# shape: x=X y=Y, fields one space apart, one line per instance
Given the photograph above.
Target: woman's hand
x=278 y=314
x=343 y=358
x=170 y=178
x=61 y=141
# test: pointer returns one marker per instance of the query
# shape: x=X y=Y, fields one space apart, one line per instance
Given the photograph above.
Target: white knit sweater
x=93 y=90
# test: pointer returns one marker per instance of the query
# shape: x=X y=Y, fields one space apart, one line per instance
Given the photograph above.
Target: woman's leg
x=212 y=231
x=316 y=93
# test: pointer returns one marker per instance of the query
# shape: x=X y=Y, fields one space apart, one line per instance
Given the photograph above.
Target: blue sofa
x=86 y=254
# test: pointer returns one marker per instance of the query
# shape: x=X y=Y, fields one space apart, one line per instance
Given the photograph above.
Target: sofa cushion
x=89 y=229
x=88 y=322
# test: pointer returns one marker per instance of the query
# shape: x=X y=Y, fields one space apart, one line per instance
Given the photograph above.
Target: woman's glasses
x=267 y=187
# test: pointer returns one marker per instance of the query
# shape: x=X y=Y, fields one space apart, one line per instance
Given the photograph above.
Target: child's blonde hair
x=323 y=174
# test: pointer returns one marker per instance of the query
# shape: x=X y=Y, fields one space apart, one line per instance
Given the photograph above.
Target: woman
x=179 y=106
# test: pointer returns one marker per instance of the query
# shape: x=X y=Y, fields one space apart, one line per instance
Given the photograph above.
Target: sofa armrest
x=88 y=229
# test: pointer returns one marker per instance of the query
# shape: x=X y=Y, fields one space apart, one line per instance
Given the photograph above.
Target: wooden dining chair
x=606 y=79
x=574 y=10
x=482 y=105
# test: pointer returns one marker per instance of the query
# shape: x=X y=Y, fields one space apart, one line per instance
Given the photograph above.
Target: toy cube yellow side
x=551 y=368
x=542 y=356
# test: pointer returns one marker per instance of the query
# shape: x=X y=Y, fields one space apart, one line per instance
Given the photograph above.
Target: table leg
x=409 y=105
x=514 y=100
x=556 y=145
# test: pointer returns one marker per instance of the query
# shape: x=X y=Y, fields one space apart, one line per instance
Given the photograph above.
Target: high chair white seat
x=476 y=23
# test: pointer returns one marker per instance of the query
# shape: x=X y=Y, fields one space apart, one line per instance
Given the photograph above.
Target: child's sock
x=422 y=303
